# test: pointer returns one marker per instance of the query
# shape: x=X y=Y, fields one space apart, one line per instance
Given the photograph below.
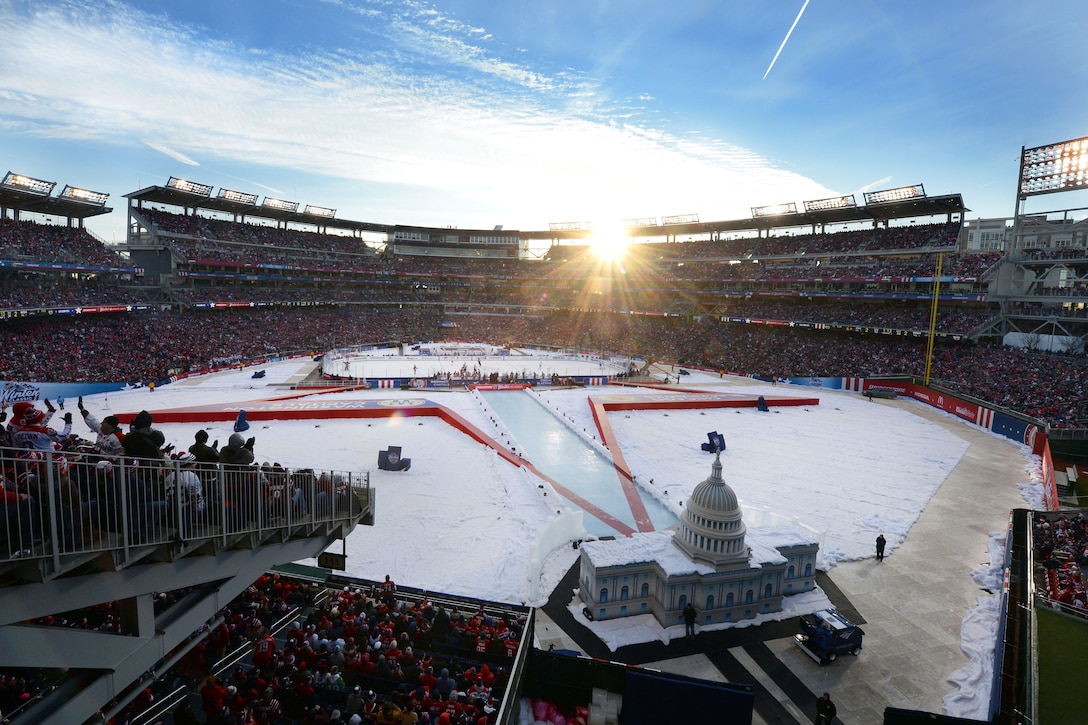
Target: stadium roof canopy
x=37 y=198
x=924 y=206
x=176 y=197
x=246 y=205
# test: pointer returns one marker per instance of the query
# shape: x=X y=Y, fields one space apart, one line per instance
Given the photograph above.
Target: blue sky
x=473 y=113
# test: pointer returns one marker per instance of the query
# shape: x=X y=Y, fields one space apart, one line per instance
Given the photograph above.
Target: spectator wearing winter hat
x=446 y=684
x=32 y=430
x=17 y=421
x=240 y=484
x=143 y=441
x=148 y=506
x=100 y=493
x=109 y=442
x=235 y=702
x=203 y=452
x=371 y=708
x=207 y=466
x=355 y=700
x=183 y=482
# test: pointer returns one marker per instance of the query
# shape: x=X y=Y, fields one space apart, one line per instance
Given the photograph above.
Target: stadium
x=615 y=365
x=838 y=297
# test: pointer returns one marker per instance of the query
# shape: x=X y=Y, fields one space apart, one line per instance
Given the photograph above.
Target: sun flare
x=610 y=242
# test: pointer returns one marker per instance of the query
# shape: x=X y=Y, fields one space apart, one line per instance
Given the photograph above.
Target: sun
x=610 y=242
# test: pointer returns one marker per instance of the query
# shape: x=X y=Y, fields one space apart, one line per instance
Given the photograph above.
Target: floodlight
x=280 y=204
x=835 y=202
x=189 y=187
x=238 y=197
x=774 y=210
x=564 y=226
x=680 y=219
x=902 y=193
x=319 y=211
x=641 y=222
x=1054 y=167
x=29 y=184
x=74 y=193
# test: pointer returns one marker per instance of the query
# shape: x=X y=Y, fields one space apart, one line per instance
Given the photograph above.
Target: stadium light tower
x=835 y=202
x=28 y=184
x=85 y=196
x=774 y=210
x=321 y=211
x=1053 y=168
x=238 y=197
x=1049 y=169
x=280 y=205
x=189 y=187
x=900 y=193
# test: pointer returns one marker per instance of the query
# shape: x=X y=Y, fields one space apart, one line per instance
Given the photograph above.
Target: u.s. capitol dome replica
x=706 y=562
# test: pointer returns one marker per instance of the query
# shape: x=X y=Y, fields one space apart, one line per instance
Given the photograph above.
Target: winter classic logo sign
x=19 y=392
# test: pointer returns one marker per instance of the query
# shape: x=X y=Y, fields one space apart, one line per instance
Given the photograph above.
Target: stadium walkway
x=911 y=606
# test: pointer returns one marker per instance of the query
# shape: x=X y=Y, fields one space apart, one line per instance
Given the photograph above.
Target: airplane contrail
x=786 y=39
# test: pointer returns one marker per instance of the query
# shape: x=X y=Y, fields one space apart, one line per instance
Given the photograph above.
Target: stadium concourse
x=463 y=519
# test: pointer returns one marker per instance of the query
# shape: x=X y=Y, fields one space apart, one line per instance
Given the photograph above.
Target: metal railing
x=59 y=504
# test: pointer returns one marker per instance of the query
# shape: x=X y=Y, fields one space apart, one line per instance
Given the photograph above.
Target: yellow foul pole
x=933 y=316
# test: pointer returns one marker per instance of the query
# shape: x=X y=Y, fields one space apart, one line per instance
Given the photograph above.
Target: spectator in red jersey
x=264 y=651
x=32 y=430
x=213 y=700
x=388 y=589
x=267 y=710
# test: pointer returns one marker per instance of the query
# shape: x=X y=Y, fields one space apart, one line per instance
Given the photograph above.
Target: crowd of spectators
x=1044 y=386
x=1061 y=549
x=562 y=300
x=153 y=346
x=933 y=236
x=1077 y=252
x=156 y=345
x=212 y=242
x=363 y=654
x=871 y=268
x=685 y=287
x=219 y=254
x=318 y=653
x=301 y=294
x=35 y=292
x=35 y=242
x=895 y=315
x=1050 y=309
x=256 y=234
x=157 y=495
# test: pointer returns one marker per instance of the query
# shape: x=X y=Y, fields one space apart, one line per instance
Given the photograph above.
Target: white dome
x=711 y=529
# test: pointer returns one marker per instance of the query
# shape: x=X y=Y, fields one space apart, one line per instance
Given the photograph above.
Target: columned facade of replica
x=712 y=561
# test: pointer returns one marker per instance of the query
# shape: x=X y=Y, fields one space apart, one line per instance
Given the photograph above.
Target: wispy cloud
x=251 y=182
x=176 y=155
x=440 y=112
x=878 y=184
